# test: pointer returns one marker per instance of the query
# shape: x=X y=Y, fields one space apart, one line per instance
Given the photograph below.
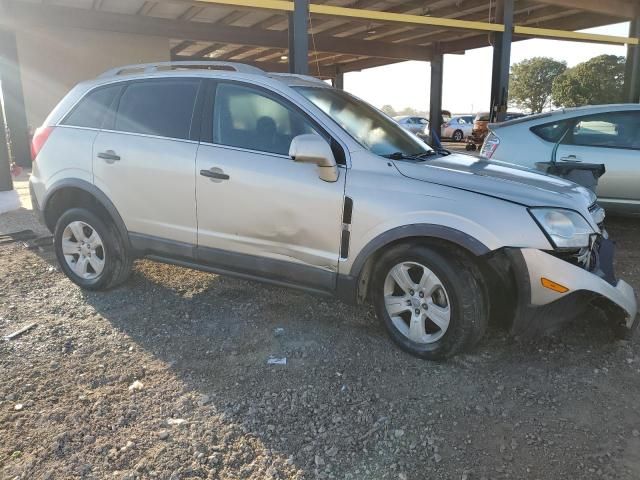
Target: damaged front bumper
x=571 y=291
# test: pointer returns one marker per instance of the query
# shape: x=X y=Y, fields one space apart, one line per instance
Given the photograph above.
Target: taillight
x=490 y=145
x=40 y=137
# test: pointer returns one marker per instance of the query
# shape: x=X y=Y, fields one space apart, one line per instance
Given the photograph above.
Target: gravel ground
x=167 y=377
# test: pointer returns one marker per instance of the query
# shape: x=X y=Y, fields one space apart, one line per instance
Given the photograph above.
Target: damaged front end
x=547 y=288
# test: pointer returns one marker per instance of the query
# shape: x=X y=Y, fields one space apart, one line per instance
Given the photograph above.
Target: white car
x=603 y=134
x=458 y=128
x=417 y=125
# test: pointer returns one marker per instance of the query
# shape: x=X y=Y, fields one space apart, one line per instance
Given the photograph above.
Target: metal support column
x=632 y=66
x=339 y=80
x=13 y=97
x=435 y=98
x=501 y=61
x=6 y=183
x=299 y=38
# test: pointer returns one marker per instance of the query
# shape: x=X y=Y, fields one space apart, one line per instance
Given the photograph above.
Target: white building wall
x=53 y=60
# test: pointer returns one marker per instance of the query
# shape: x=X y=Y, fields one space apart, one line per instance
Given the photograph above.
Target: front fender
x=440 y=232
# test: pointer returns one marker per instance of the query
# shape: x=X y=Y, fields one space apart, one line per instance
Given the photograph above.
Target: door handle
x=214 y=173
x=570 y=158
x=110 y=156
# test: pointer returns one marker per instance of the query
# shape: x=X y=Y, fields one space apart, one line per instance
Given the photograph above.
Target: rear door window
x=91 y=111
x=163 y=108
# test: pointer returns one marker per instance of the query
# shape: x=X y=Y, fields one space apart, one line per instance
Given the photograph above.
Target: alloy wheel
x=83 y=250
x=417 y=302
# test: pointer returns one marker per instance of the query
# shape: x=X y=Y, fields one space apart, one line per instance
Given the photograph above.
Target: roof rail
x=308 y=78
x=183 y=64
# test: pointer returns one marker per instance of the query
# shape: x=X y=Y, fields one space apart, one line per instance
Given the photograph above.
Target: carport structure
x=325 y=38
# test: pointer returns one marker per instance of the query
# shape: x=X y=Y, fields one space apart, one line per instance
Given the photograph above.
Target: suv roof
x=160 y=68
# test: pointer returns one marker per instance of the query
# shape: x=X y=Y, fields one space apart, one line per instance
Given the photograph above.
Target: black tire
x=457 y=136
x=117 y=258
x=463 y=283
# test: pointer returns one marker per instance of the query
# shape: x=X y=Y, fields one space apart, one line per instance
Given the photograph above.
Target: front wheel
x=90 y=251
x=458 y=136
x=432 y=303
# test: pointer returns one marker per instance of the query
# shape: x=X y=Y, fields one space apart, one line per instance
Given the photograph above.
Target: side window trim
x=206 y=135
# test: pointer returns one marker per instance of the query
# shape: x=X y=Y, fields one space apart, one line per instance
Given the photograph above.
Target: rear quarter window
x=551 y=132
x=90 y=112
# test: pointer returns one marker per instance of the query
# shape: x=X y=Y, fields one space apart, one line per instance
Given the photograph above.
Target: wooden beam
x=401 y=18
x=22 y=13
x=231 y=17
x=615 y=8
x=191 y=12
x=181 y=46
x=523 y=17
x=146 y=7
x=575 y=22
x=574 y=36
x=207 y=50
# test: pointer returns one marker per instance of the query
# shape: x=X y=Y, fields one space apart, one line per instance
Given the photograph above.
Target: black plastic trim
x=148 y=245
x=344 y=244
x=268 y=268
x=99 y=195
x=348 y=210
x=246 y=266
x=233 y=273
x=417 y=230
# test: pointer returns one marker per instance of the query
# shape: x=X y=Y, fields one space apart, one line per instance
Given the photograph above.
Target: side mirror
x=312 y=148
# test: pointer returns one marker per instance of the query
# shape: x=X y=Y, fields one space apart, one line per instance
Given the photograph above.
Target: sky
x=467 y=78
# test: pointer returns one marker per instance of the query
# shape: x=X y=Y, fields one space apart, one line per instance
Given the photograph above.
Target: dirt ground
x=167 y=377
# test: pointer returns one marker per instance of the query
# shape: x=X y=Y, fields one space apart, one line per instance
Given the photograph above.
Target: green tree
x=531 y=82
x=594 y=82
x=409 y=111
x=389 y=110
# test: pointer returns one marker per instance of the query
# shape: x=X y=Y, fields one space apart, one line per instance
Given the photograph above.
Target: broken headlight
x=564 y=228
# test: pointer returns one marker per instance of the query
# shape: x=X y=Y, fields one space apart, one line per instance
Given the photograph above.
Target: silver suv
x=281 y=178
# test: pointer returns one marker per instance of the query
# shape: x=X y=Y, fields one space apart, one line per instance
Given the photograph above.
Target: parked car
x=458 y=128
x=416 y=125
x=604 y=134
x=281 y=178
x=481 y=128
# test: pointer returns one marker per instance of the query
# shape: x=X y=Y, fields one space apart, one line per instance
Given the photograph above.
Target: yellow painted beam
x=578 y=36
x=388 y=17
x=358 y=13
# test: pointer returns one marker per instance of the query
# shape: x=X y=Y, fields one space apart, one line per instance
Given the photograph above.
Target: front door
x=260 y=213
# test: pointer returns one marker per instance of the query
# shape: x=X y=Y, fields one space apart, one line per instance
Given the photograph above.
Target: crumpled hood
x=501 y=180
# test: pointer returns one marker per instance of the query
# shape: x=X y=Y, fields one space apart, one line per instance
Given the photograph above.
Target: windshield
x=370 y=127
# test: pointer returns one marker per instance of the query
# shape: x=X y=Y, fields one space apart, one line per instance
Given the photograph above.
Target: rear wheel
x=457 y=136
x=431 y=303
x=90 y=251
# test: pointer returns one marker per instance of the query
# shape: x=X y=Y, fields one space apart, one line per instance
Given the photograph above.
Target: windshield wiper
x=410 y=156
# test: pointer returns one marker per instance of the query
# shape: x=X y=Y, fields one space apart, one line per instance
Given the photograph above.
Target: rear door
x=259 y=212
x=612 y=139
x=144 y=158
